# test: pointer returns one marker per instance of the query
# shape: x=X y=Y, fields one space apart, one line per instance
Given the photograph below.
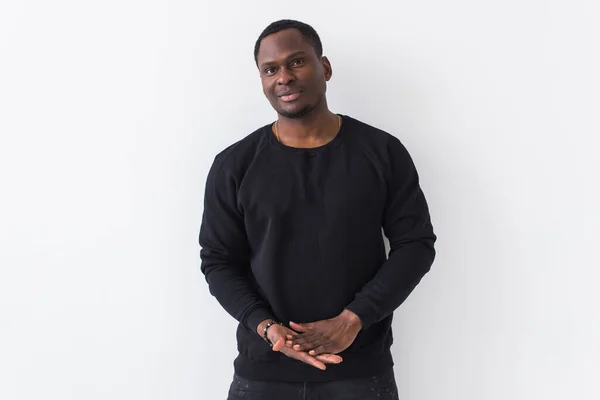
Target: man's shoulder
x=243 y=150
x=367 y=134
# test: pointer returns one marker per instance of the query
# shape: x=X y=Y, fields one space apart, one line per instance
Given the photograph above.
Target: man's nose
x=285 y=77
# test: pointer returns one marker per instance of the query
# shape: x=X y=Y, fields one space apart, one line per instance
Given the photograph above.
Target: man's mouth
x=290 y=96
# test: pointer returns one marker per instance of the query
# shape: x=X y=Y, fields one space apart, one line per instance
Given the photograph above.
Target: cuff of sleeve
x=255 y=317
x=365 y=312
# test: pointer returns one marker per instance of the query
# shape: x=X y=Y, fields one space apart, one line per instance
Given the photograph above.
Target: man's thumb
x=276 y=338
x=279 y=342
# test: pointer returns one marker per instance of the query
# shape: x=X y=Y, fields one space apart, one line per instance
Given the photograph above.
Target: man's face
x=293 y=77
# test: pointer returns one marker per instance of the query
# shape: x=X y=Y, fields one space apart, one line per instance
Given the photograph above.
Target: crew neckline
x=308 y=150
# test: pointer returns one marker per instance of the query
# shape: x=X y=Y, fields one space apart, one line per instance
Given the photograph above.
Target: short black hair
x=307 y=31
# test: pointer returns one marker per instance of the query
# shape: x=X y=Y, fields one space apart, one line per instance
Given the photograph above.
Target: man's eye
x=297 y=63
x=270 y=71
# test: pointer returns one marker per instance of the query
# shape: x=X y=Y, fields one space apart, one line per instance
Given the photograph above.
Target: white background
x=111 y=113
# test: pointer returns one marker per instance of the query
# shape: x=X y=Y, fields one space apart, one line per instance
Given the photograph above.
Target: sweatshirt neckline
x=308 y=150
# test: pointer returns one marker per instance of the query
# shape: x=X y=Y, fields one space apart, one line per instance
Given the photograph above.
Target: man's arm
x=225 y=251
x=226 y=264
x=407 y=225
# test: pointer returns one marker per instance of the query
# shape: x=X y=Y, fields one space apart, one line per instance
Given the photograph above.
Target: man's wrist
x=260 y=328
x=351 y=318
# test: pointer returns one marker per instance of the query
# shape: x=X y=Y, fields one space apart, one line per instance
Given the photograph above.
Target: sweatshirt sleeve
x=225 y=252
x=407 y=225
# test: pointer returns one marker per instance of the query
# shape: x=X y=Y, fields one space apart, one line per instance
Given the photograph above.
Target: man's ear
x=327 y=68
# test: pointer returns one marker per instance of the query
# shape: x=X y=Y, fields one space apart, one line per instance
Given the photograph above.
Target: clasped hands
x=316 y=343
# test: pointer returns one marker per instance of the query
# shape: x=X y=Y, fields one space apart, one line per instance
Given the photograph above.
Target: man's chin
x=298 y=113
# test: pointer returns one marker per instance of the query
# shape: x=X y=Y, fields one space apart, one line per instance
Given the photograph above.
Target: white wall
x=111 y=113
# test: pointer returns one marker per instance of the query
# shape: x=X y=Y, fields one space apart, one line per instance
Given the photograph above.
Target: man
x=291 y=236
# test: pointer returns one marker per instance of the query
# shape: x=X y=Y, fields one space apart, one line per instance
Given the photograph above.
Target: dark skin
x=277 y=334
x=330 y=336
x=294 y=80
x=287 y=63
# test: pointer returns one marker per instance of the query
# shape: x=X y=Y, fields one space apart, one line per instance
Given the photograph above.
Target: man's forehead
x=282 y=44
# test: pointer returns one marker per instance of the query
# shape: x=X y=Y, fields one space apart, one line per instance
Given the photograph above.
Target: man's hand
x=277 y=335
x=329 y=336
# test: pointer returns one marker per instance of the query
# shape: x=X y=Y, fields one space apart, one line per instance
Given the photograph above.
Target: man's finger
x=329 y=358
x=275 y=337
x=306 y=338
x=312 y=345
x=289 y=338
x=304 y=358
x=320 y=350
x=301 y=327
x=279 y=344
x=312 y=361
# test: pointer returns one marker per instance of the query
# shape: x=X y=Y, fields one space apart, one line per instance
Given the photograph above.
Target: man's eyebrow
x=294 y=54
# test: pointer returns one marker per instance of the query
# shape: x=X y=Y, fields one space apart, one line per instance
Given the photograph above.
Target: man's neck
x=312 y=130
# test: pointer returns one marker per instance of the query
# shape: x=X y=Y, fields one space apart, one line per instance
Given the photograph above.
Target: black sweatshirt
x=296 y=235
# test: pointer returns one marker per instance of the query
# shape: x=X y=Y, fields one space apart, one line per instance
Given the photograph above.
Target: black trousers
x=380 y=387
